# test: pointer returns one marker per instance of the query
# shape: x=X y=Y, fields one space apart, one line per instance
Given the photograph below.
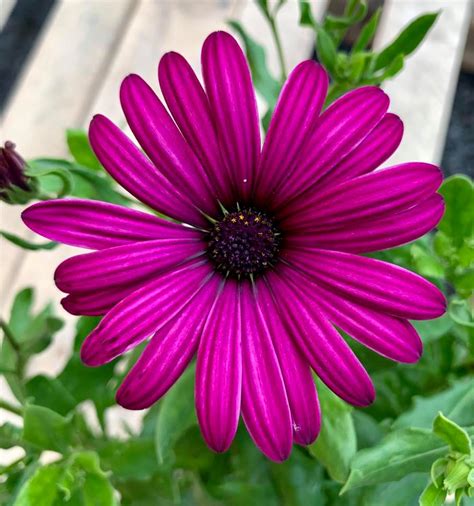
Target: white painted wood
x=422 y=94
x=6 y=7
x=54 y=93
x=158 y=27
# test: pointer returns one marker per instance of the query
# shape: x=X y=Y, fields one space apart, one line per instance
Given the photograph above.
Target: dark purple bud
x=12 y=170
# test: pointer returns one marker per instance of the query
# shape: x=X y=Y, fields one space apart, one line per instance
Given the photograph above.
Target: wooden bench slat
x=422 y=94
x=55 y=92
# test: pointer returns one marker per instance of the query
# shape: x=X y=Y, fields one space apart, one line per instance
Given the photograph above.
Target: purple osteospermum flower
x=263 y=260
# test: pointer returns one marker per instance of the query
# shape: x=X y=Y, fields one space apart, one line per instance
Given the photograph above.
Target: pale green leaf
x=336 y=444
x=456 y=437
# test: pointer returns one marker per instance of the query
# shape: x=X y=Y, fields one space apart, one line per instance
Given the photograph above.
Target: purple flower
x=263 y=258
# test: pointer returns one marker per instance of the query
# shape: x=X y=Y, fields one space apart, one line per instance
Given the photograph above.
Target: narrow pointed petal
x=378 y=285
x=265 y=407
x=97 y=225
x=342 y=127
x=134 y=171
x=299 y=383
x=392 y=337
x=142 y=313
x=375 y=195
x=379 y=234
x=295 y=115
x=122 y=265
x=219 y=370
x=327 y=352
x=190 y=108
x=100 y=302
x=168 y=353
x=374 y=150
x=162 y=141
x=234 y=108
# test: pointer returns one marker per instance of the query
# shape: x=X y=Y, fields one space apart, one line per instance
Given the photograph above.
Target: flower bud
x=15 y=186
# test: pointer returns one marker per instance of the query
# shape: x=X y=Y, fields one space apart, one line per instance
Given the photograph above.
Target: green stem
x=10 y=407
x=9 y=336
x=279 y=47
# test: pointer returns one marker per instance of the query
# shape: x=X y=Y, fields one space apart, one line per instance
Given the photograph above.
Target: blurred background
x=61 y=61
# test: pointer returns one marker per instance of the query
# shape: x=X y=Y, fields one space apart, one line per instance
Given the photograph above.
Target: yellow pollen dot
x=233 y=220
x=246 y=222
x=257 y=219
x=241 y=217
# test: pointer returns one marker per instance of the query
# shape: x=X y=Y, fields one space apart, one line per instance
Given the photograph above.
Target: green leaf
x=50 y=393
x=80 y=149
x=400 y=453
x=368 y=431
x=460 y=310
x=407 y=41
x=359 y=12
x=176 y=416
x=84 y=383
x=336 y=444
x=426 y=263
x=134 y=458
x=404 y=492
x=367 y=33
x=306 y=16
x=391 y=70
x=84 y=483
x=457 y=402
x=10 y=435
x=20 y=312
x=86 y=183
x=432 y=330
x=46 y=429
x=40 y=489
x=23 y=243
x=458 y=220
x=326 y=49
x=264 y=82
x=433 y=496
x=456 y=437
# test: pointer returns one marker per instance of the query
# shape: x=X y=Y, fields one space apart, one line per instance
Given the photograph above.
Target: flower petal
x=99 y=302
x=377 y=147
x=162 y=141
x=375 y=235
x=324 y=348
x=265 y=408
x=342 y=127
x=142 y=313
x=387 y=335
x=97 y=225
x=375 y=195
x=219 y=370
x=299 y=383
x=381 y=286
x=190 y=108
x=296 y=113
x=132 y=170
x=168 y=353
x=234 y=108
x=122 y=265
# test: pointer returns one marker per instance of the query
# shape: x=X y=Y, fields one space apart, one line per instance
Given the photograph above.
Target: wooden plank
x=6 y=7
x=422 y=94
x=158 y=27
x=55 y=92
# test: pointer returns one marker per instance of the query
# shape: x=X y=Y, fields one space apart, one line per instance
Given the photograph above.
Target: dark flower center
x=244 y=243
